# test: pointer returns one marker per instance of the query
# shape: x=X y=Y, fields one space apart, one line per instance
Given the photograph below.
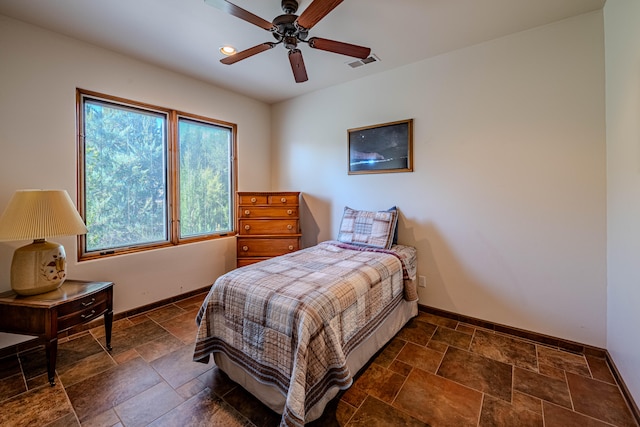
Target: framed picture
x=383 y=148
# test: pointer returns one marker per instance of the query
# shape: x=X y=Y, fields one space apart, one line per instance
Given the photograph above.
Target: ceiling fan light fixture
x=228 y=50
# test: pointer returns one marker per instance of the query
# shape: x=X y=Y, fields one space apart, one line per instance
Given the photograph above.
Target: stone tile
x=563 y=360
x=203 y=410
x=437 y=320
x=421 y=357
x=375 y=413
x=36 y=407
x=111 y=388
x=354 y=396
x=77 y=349
x=178 y=367
x=417 y=331
x=12 y=386
x=192 y=302
x=438 y=401
x=452 y=337
x=380 y=382
x=599 y=369
x=145 y=407
x=498 y=413
x=126 y=356
x=217 y=381
x=190 y=389
x=552 y=372
x=337 y=413
x=118 y=325
x=599 y=400
x=134 y=336
x=69 y=420
x=9 y=366
x=183 y=327
x=505 y=349
x=546 y=388
x=438 y=346
x=34 y=362
x=108 y=418
x=85 y=368
x=467 y=329
x=250 y=407
x=389 y=353
x=556 y=416
x=152 y=350
x=400 y=368
x=527 y=402
x=164 y=313
x=478 y=372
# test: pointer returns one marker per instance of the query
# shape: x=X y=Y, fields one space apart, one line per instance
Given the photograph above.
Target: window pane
x=205 y=178
x=125 y=176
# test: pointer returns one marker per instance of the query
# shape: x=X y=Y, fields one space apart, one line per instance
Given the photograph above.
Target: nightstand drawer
x=79 y=317
x=90 y=301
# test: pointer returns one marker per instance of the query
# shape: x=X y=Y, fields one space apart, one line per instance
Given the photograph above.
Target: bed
x=293 y=330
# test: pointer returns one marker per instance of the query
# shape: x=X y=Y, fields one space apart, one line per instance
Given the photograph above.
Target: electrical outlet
x=422 y=281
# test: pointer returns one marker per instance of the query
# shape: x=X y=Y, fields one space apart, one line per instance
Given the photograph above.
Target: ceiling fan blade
x=317 y=10
x=339 y=47
x=247 y=53
x=297 y=66
x=239 y=12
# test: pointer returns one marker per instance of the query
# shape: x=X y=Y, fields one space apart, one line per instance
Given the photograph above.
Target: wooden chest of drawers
x=268 y=225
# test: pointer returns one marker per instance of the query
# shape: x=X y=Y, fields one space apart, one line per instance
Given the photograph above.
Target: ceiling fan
x=291 y=29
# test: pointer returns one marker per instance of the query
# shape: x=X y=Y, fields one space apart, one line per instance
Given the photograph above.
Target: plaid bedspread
x=291 y=321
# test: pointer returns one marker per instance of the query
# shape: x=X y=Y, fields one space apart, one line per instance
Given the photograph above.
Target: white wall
x=39 y=74
x=506 y=203
x=622 y=42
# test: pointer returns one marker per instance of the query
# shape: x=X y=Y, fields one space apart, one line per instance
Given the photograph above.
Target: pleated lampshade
x=37 y=214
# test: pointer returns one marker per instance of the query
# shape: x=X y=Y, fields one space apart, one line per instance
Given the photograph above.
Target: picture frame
x=382 y=148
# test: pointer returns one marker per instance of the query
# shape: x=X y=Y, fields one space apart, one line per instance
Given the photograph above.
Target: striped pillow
x=368 y=228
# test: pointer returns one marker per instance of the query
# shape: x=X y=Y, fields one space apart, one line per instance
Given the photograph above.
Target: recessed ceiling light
x=228 y=50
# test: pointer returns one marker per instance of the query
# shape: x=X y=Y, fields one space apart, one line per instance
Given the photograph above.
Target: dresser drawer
x=267 y=226
x=252 y=199
x=268 y=212
x=82 y=316
x=248 y=247
x=81 y=304
x=283 y=199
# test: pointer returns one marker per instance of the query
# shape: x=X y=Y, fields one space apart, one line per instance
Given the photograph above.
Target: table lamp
x=37 y=214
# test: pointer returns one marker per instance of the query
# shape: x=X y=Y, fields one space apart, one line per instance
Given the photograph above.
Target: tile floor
x=435 y=372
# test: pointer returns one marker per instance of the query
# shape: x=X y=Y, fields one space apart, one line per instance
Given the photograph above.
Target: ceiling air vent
x=360 y=62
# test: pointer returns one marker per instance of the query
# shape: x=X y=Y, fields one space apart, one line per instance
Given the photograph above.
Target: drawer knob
x=245 y=248
x=289 y=227
x=289 y=212
x=283 y=200
x=290 y=247
x=247 y=212
x=253 y=200
x=88 y=303
x=88 y=315
x=247 y=227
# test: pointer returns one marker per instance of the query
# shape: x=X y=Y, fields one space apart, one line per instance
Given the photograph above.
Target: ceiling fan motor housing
x=289 y=6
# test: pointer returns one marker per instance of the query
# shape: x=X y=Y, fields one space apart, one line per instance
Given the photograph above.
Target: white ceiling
x=185 y=35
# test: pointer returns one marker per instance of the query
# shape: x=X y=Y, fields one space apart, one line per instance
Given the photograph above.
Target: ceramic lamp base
x=38 y=268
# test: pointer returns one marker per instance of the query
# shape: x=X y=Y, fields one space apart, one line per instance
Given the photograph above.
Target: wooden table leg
x=51 y=350
x=108 y=323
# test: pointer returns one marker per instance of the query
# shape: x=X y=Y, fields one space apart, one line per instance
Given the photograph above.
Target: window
x=151 y=177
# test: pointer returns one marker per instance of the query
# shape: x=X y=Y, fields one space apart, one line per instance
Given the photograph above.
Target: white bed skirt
x=273 y=397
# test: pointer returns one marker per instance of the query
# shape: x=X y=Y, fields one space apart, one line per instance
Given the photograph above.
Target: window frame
x=172 y=174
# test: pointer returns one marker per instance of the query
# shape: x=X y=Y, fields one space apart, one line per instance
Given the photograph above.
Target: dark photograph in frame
x=382 y=148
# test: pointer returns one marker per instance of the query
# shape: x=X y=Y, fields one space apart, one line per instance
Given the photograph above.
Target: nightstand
x=46 y=315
